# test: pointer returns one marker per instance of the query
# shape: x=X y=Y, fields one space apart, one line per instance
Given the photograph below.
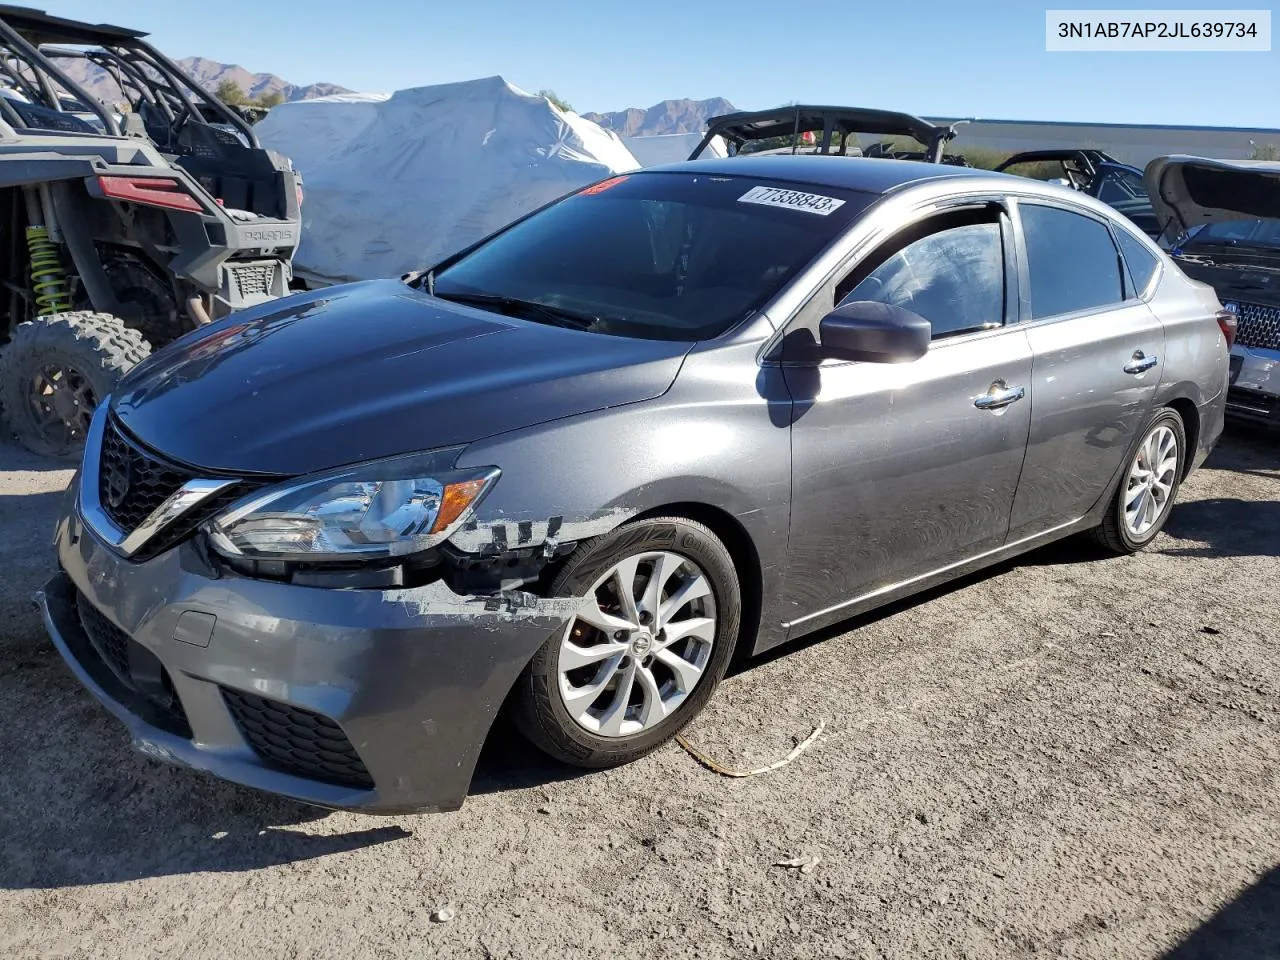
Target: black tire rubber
x=1111 y=534
x=536 y=708
x=97 y=345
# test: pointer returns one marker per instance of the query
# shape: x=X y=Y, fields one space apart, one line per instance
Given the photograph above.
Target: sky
x=979 y=58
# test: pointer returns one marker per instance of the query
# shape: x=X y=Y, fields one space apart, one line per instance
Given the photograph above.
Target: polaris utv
x=122 y=226
x=829 y=131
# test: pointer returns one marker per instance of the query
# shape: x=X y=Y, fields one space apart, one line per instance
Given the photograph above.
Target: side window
x=953 y=277
x=1072 y=261
x=1142 y=263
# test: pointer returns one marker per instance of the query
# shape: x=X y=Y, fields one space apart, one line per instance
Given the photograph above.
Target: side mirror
x=873 y=333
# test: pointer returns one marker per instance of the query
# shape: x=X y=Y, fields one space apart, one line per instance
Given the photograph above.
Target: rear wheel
x=1148 y=488
x=658 y=616
x=55 y=370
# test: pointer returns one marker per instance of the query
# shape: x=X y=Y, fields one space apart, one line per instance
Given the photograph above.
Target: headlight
x=374 y=511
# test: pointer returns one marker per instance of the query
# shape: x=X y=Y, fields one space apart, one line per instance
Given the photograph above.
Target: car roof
x=866 y=174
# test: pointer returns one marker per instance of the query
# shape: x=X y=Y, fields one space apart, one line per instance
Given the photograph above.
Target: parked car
x=683 y=413
x=1100 y=175
x=1224 y=219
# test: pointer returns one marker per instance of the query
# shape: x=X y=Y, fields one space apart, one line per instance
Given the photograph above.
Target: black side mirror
x=873 y=333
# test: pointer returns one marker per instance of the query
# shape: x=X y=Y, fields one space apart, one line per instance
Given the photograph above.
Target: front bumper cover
x=414 y=677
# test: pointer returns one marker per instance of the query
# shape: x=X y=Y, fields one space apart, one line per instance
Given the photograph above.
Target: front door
x=900 y=469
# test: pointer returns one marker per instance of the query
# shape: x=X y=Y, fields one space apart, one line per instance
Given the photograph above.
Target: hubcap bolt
x=620 y=635
x=645 y=617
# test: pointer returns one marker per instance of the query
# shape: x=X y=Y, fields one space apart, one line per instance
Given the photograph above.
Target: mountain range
x=669 y=116
x=208 y=73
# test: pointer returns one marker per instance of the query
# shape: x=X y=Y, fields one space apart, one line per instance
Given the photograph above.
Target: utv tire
x=55 y=370
x=1151 y=478
x=539 y=708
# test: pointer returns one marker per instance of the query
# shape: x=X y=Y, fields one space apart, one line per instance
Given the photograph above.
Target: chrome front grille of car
x=143 y=504
x=132 y=482
x=1258 y=326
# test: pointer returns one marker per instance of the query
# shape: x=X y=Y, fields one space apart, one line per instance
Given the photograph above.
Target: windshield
x=1238 y=233
x=661 y=256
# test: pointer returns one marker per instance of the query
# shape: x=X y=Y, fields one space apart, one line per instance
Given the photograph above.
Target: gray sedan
x=570 y=472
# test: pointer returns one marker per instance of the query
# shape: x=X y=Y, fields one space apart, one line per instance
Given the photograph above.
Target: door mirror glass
x=873 y=332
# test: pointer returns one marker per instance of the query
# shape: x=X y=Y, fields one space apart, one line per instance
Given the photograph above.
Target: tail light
x=1228 y=323
x=151 y=191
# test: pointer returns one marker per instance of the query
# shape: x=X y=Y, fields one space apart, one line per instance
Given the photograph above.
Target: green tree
x=1265 y=151
x=228 y=91
x=559 y=101
x=269 y=100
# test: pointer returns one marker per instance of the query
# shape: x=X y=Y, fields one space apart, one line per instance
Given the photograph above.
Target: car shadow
x=13 y=456
x=1226 y=527
x=1247 y=928
x=77 y=805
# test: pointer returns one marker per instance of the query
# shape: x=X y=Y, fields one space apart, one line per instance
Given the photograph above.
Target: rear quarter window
x=1072 y=261
x=1141 y=262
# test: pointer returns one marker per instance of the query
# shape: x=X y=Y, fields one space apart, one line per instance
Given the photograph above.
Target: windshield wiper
x=557 y=316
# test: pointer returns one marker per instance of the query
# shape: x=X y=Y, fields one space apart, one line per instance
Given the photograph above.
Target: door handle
x=1141 y=362
x=999 y=396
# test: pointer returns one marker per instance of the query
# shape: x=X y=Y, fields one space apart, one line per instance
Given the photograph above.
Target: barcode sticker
x=792 y=200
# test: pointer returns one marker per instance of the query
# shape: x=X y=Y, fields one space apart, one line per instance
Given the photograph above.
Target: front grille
x=109 y=641
x=133 y=482
x=1258 y=326
x=296 y=740
x=135 y=666
x=253 y=279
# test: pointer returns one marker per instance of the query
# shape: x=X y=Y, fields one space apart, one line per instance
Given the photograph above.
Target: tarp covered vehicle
x=827 y=130
x=397 y=183
x=121 y=226
x=1222 y=218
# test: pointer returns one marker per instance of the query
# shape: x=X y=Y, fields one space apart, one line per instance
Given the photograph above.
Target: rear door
x=1096 y=349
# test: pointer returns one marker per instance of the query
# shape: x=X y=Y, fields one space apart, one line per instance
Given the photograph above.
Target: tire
x=83 y=353
x=538 y=707
x=1117 y=533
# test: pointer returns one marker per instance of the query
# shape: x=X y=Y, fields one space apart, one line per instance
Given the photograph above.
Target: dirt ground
x=1071 y=756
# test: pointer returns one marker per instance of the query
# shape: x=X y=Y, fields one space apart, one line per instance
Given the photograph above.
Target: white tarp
x=396 y=183
x=653 y=151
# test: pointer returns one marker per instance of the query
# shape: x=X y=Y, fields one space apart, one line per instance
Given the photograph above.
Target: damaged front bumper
x=371 y=700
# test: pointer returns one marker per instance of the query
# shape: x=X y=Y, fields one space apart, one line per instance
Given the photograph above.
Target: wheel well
x=1190 y=416
x=745 y=559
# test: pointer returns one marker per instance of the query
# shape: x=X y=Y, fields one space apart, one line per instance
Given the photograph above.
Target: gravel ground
x=1070 y=756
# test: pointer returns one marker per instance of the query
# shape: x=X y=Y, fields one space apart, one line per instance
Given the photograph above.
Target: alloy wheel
x=638 y=645
x=1149 y=489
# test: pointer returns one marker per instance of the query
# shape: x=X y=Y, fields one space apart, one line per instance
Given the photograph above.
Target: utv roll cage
x=160 y=94
x=738 y=129
x=1080 y=161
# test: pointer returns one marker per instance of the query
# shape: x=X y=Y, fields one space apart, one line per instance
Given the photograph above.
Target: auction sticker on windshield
x=792 y=200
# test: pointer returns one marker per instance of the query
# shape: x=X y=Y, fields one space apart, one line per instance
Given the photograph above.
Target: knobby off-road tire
x=685 y=550
x=69 y=361
x=1118 y=531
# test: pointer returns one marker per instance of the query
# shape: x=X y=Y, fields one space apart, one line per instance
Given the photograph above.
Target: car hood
x=1187 y=191
x=370 y=370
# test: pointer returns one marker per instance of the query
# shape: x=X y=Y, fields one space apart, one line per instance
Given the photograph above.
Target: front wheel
x=1150 y=484
x=657 y=619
